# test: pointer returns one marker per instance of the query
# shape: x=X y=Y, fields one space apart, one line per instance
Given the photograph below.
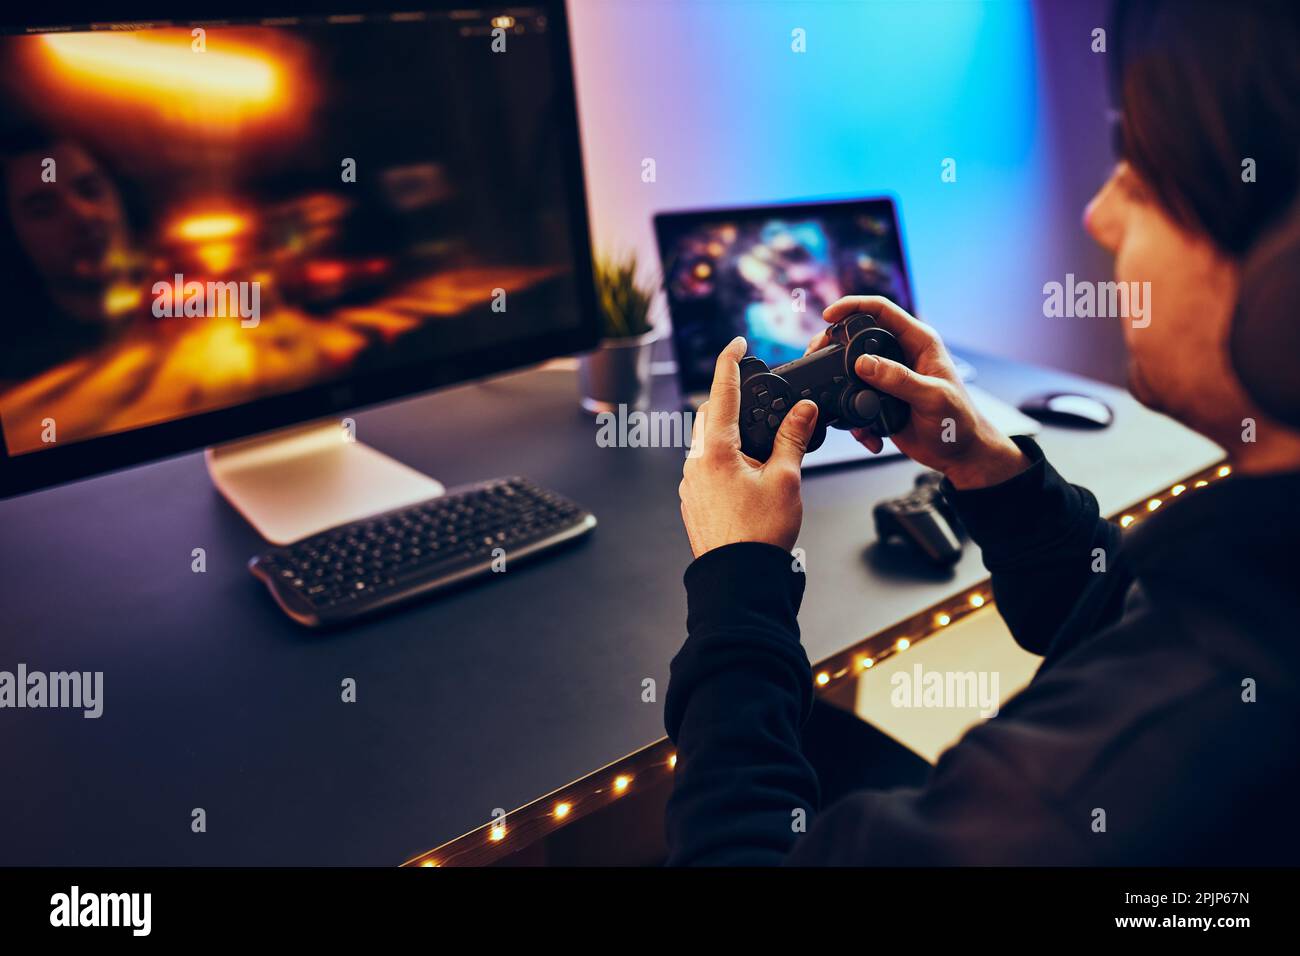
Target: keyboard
x=356 y=569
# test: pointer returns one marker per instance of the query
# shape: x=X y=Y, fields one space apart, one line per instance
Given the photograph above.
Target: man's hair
x=1201 y=87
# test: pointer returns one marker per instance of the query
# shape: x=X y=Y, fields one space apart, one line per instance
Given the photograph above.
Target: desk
x=486 y=698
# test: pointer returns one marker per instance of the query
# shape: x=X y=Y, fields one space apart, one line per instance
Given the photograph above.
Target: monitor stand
x=299 y=481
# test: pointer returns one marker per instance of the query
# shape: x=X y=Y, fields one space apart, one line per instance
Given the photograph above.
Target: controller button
x=806 y=393
x=757 y=414
x=773 y=421
x=866 y=405
x=778 y=405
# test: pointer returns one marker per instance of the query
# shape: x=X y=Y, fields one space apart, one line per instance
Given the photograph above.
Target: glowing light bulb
x=977 y=600
x=902 y=644
x=943 y=620
x=429 y=863
x=823 y=678
x=1177 y=490
x=1125 y=521
x=1200 y=484
x=562 y=810
x=1153 y=504
x=498 y=833
x=672 y=762
x=620 y=783
x=1225 y=471
x=867 y=662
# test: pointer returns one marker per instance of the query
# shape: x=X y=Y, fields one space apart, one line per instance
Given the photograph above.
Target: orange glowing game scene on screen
x=191 y=223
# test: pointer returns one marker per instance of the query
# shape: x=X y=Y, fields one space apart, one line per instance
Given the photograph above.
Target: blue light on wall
x=885 y=92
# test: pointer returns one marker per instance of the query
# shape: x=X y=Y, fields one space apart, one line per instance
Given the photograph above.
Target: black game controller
x=827 y=378
x=923 y=519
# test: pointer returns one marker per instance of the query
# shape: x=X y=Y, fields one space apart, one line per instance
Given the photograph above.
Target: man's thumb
x=792 y=438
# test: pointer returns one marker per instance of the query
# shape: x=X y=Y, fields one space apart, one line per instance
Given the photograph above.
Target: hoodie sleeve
x=1038 y=535
x=739 y=693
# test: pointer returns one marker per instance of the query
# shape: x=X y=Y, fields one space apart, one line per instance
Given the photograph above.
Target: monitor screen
x=767 y=273
x=201 y=218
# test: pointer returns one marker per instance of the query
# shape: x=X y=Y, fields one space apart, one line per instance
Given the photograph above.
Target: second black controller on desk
x=827 y=378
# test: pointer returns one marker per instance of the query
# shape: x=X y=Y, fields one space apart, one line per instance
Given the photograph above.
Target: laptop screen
x=768 y=272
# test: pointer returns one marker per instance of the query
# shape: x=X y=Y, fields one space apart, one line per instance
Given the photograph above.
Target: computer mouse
x=1072 y=409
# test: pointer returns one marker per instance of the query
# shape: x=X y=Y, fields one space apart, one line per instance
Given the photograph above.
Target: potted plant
x=618 y=371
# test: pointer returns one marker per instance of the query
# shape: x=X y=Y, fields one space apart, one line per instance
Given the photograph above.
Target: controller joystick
x=827 y=378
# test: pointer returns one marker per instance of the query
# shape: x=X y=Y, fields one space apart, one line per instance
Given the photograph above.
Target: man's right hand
x=945 y=431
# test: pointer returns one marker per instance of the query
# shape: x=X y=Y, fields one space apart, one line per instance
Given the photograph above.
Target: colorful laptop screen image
x=767 y=273
x=300 y=202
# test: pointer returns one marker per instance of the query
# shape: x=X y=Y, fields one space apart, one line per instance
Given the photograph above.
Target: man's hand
x=727 y=497
x=945 y=431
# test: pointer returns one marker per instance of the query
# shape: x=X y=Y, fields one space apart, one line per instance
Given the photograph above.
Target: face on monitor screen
x=767 y=274
x=190 y=222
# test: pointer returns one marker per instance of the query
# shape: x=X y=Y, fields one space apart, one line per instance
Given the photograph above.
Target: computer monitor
x=215 y=229
x=767 y=272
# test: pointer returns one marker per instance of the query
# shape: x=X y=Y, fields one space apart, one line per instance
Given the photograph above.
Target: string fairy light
x=658 y=761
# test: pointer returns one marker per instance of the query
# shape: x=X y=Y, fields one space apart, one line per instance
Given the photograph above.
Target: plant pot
x=617 y=373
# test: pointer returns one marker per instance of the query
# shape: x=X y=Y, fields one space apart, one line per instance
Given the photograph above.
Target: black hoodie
x=1166 y=705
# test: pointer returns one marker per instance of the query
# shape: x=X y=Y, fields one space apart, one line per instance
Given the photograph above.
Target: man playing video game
x=1138 y=708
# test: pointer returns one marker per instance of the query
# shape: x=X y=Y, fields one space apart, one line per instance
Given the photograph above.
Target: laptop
x=767 y=272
